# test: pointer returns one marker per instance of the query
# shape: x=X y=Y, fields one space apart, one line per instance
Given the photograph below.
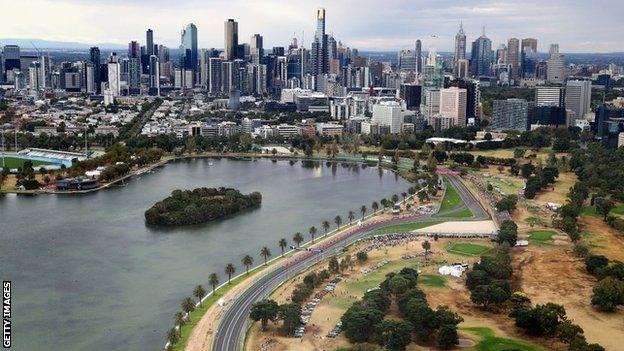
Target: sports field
x=15 y=162
x=467 y=249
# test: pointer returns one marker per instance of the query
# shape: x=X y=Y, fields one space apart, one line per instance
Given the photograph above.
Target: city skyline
x=392 y=27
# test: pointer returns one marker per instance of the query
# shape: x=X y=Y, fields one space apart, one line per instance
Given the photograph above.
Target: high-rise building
x=460 y=47
x=556 y=70
x=34 y=76
x=214 y=74
x=418 y=54
x=94 y=55
x=481 y=56
x=407 y=60
x=529 y=43
x=554 y=49
x=88 y=83
x=134 y=49
x=188 y=47
x=510 y=114
x=149 y=42
x=114 y=75
x=529 y=58
x=154 y=76
x=231 y=40
x=578 y=97
x=320 y=55
x=11 y=55
x=549 y=96
x=513 y=57
x=453 y=102
x=388 y=114
x=473 y=98
x=256 y=49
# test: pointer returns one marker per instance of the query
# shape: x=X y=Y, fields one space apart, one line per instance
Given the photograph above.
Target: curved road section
x=232 y=327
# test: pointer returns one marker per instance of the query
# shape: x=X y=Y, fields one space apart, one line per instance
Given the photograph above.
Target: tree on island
x=213 y=280
x=351 y=216
x=375 y=206
x=199 y=292
x=312 y=232
x=265 y=252
x=298 y=238
x=283 y=244
x=363 y=211
x=326 y=226
x=338 y=221
x=229 y=270
x=247 y=261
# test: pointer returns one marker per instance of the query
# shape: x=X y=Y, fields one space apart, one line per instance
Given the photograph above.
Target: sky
x=369 y=25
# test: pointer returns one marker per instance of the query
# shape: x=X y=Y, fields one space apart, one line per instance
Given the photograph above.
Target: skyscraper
x=154 y=75
x=529 y=43
x=94 y=55
x=231 y=39
x=556 y=70
x=460 y=47
x=578 y=97
x=481 y=56
x=513 y=57
x=114 y=75
x=149 y=42
x=189 y=47
x=134 y=49
x=418 y=53
x=320 y=55
x=256 y=49
x=407 y=60
x=214 y=75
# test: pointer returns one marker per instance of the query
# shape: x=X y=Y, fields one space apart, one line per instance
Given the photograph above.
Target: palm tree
x=179 y=319
x=351 y=215
x=298 y=238
x=265 y=252
x=363 y=210
x=375 y=206
x=325 y=226
x=173 y=336
x=312 y=232
x=247 y=261
x=404 y=194
x=188 y=306
x=199 y=293
x=213 y=280
x=338 y=221
x=229 y=270
x=282 y=244
x=426 y=245
x=395 y=198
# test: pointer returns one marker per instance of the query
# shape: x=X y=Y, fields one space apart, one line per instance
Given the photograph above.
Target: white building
x=556 y=71
x=114 y=76
x=453 y=102
x=578 y=97
x=388 y=113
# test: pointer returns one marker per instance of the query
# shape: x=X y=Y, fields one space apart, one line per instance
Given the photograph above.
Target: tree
x=404 y=195
x=595 y=262
x=375 y=206
x=426 y=245
x=199 y=292
x=247 y=261
x=290 y=314
x=542 y=320
x=569 y=331
x=334 y=267
x=508 y=203
x=213 y=280
x=282 y=244
x=188 y=306
x=608 y=294
x=447 y=336
x=179 y=319
x=361 y=256
x=229 y=270
x=338 y=221
x=508 y=233
x=394 y=198
x=297 y=238
x=526 y=170
x=394 y=335
x=173 y=336
x=312 y=232
x=351 y=216
x=264 y=311
x=265 y=252
x=325 y=226
x=360 y=321
x=604 y=206
x=398 y=284
x=422 y=196
x=363 y=210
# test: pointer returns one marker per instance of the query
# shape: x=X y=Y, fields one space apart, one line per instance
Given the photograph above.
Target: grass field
x=15 y=162
x=591 y=211
x=451 y=198
x=403 y=228
x=490 y=342
x=465 y=213
x=467 y=249
x=372 y=279
x=431 y=280
x=542 y=236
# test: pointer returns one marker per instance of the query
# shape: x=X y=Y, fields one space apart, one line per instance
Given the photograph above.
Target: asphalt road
x=232 y=327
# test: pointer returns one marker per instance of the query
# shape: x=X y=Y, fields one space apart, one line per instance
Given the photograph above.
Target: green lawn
x=372 y=279
x=451 y=198
x=15 y=162
x=403 y=227
x=490 y=342
x=591 y=211
x=542 y=236
x=465 y=213
x=434 y=281
x=467 y=249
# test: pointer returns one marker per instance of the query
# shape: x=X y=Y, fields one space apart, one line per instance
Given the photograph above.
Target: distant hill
x=50 y=44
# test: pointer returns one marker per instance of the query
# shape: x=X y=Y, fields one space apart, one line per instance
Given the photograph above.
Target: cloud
x=578 y=26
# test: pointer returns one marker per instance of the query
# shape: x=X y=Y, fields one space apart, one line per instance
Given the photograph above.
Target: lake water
x=88 y=274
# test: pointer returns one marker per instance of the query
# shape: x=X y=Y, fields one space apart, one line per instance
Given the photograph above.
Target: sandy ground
x=602 y=239
x=461 y=227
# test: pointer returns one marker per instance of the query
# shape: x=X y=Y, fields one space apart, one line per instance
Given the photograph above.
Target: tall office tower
x=481 y=56
x=228 y=76
x=549 y=96
x=256 y=49
x=149 y=43
x=34 y=76
x=154 y=75
x=134 y=67
x=114 y=75
x=460 y=47
x=204 y=57
x=134 y=49
x=556 y=71
x=578 y=97
x=407 y=60
x=94 y=55
x=388 y=113
x=513 y=57
x=188 y=47
x=231 y=39
x=473 y=97
x=88 y=83
x=510 y=114
x=453 y=103
x=418 y=53
x=320 y=57
x=529 y=43
x=214 y=74
x=11 y=57
x=529 y=58
x=554 y=49
x=463 y=68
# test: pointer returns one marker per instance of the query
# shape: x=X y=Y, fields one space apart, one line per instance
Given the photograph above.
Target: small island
x=185 y=207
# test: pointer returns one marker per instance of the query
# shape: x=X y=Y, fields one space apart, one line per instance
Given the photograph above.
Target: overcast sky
x=576 y=25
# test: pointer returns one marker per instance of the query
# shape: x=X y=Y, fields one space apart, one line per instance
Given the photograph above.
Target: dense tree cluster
x=608 y=294
x=537 y=178
x=488 y=281
x=508 y=233
x=507 y=203
x=200 y=205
